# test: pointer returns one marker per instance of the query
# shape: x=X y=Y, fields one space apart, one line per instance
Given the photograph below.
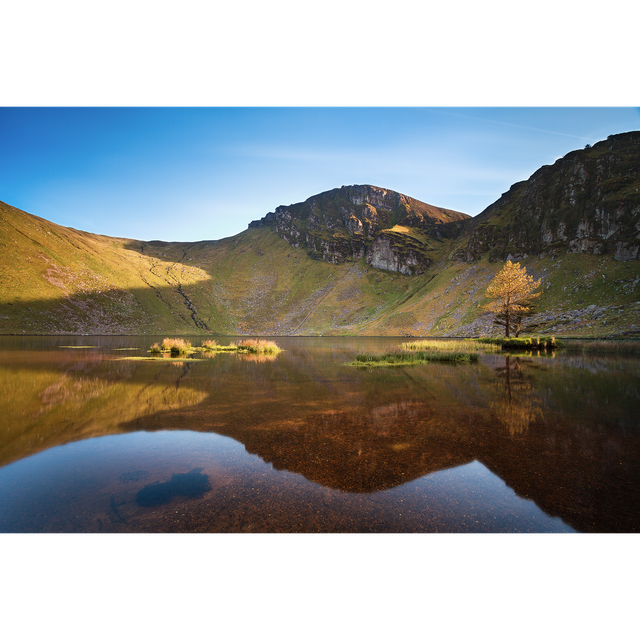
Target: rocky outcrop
x=386 y=228
x=586 y=202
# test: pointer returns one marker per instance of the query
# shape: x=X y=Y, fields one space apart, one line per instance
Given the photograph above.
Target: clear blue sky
x=205 y=173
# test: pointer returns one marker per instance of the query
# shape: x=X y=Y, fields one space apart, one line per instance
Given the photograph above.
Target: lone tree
x=510 y=294
x=516 y=320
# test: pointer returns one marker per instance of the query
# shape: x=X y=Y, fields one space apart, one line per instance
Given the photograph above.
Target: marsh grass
x=174 y=346
x=209 y=345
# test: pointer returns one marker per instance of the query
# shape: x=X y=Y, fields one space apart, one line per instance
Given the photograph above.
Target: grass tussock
x=209 y=345
x=174 y=346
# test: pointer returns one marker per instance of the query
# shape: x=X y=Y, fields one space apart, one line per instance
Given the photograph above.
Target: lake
x=299 y=442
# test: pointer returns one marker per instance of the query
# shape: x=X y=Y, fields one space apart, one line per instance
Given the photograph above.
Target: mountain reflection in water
x=334 y=448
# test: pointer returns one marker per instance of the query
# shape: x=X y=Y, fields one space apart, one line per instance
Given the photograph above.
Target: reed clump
x=174 y=346
x=209 y=345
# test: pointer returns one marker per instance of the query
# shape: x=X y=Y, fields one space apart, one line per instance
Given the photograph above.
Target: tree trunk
x=506 y=324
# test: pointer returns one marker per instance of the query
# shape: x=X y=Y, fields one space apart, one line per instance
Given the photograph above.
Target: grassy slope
x=58 y=280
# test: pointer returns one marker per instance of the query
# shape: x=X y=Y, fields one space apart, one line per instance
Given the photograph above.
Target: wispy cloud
x=513 y=125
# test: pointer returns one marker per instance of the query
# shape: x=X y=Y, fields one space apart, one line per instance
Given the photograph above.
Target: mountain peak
x=388 y=229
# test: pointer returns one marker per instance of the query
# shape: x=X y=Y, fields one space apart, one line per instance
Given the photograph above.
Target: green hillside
x=61 y=281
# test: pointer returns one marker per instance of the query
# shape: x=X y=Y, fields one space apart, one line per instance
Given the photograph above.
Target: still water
x=93 y=442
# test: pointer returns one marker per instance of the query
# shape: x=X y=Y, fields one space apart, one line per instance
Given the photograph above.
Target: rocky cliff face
x=586 y=202
x=388 y=229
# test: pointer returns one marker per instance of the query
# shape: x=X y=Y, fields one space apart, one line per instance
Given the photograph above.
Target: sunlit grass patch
x=448 y=345
x=174 y=346
x=209 y=345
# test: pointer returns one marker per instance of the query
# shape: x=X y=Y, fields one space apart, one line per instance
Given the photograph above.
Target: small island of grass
x=451 y=351
x=423 y=351
x=180 y=347
x=403 y=358
x=251 y=345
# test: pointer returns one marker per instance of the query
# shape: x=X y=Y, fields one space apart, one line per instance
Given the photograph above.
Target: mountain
x=358 y=260
x=586 y=202
x=387 y=229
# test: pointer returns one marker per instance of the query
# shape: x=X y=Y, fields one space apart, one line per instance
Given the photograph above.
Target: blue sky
x=189 y=174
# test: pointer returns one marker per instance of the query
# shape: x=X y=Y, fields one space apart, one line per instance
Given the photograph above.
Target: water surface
x=299 y=442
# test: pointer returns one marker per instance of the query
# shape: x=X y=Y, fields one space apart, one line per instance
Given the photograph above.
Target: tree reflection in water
x=516 y=404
